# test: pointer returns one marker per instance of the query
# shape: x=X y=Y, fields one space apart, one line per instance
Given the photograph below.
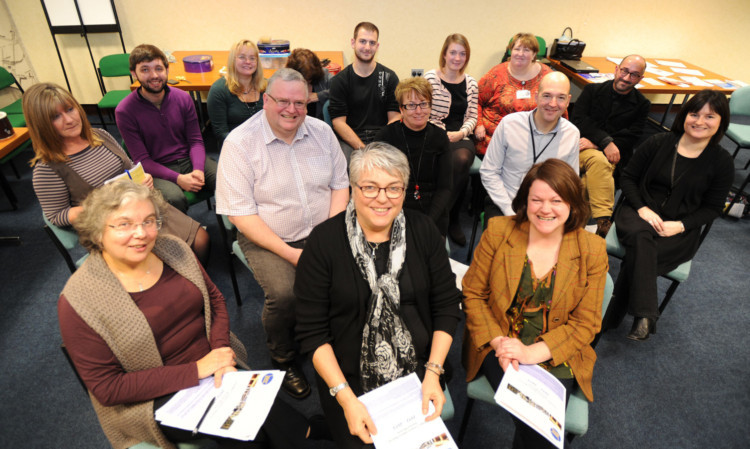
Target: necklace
x=373 y=247
x=139 y=281
x=417 y=195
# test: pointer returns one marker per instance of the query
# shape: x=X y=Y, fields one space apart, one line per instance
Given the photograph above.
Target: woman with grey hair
x=376 y=298
x=141 y=320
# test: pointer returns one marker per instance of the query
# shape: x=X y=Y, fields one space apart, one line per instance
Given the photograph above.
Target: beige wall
x=708 y=34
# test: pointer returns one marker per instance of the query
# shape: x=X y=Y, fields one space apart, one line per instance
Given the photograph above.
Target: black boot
x=642 y=328
x=294 y=382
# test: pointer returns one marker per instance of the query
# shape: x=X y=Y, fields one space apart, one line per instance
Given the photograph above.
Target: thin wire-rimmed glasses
x=152 y=224
x=285 y=103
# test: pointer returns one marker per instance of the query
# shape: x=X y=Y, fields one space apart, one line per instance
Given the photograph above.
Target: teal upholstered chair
x=577 y=410
x=112 y=66
x=739 y=106
x=326 y=114
x=65 y=240
x=678 y=275
x=232 y=247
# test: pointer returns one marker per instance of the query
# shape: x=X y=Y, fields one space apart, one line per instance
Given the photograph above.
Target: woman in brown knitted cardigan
x=141 y=320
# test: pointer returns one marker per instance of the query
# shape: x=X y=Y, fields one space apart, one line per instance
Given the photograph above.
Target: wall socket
x=417 y=72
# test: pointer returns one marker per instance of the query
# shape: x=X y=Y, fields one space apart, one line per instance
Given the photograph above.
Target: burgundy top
x=173 y=308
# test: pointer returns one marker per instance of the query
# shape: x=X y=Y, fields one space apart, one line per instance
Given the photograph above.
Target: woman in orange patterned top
x=509 y=87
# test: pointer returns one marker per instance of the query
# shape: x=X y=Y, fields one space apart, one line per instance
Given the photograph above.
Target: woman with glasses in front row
x=428 y=150
x=376 y=298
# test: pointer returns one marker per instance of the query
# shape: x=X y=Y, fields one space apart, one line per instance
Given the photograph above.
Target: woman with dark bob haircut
x=675 y=184
x=533 y=293
x=318 y=79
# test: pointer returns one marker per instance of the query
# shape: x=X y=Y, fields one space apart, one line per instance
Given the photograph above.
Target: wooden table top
x=606 y=66
x=19 y=136
x=202 y=82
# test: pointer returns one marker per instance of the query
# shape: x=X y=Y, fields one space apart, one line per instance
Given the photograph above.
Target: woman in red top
x=509 y=87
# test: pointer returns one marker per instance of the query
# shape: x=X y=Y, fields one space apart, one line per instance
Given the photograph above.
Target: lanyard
x=533 y=143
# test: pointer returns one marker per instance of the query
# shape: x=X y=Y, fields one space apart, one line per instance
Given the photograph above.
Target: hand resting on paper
x=431 y=391
x=217 y=362
x=512 y=351
x=357 y=417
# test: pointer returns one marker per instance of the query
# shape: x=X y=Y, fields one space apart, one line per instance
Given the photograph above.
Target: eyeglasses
x=244 y=58
x=285 y=103
x=413 y=106
x=152 y=224
x=391 y=192
x=627 y=73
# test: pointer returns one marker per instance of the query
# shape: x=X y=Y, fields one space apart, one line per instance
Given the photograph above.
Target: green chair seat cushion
x=13 y=108
x=739 y=133
x=195 y=198
x=112 y=98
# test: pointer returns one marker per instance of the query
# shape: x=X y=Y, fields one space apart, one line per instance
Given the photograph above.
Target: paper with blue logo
x=537 y=398
x=236 y=410
x=396 y=410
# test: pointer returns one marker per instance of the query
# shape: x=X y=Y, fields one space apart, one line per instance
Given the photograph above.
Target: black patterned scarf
x=387 y=350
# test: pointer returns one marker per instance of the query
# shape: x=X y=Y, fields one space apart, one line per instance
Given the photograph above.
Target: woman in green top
x=533 y=293
x=237 y=96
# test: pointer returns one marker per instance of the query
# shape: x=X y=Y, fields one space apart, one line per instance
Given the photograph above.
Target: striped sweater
x=441 y=102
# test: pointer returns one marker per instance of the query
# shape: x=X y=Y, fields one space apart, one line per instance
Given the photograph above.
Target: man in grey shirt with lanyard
x=524 y=138
x=280 y=174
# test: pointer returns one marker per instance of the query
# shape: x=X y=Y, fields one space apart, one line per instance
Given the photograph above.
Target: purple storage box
x=198 y=63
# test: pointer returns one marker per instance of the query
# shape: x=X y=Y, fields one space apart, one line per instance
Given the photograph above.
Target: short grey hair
x=382 y=156
x=104 y=201
x=286 y=74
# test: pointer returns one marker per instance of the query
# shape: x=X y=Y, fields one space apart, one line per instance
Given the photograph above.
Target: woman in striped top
x=71 y=159
x=454 y=108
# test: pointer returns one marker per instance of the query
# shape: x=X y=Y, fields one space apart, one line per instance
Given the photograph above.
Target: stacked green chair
x=112 y=66
x=577 y=410
x=15 y=109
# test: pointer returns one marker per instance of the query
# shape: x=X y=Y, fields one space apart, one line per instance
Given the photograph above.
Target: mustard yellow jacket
x=575 y=314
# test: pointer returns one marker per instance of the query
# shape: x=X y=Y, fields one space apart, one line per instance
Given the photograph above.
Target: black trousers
x=525 y=437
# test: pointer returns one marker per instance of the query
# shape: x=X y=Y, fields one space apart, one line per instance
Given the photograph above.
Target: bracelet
x=435 y=368
x=334 y=390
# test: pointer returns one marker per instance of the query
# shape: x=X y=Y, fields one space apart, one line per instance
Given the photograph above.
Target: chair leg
x=208 y=204
x=474 y=226
x=230 y=262
x=63 y=251
x=101 y=118
x=13 y=167
x=465 y=420
x=668 y=297
x=736 y=151
x=737 y=195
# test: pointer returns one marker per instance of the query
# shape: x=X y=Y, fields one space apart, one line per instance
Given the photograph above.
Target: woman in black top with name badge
x=427 y=148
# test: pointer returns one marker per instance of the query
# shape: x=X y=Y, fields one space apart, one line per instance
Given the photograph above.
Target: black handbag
x=571 y=49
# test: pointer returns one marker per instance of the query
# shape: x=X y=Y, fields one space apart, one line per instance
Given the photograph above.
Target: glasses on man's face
x=126 y=227
x=244 y=58
x=283 y=103
x=628 y=74
x=413 y=106
x=392 y=192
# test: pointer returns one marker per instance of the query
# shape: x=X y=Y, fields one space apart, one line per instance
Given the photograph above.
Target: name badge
x=523 y=94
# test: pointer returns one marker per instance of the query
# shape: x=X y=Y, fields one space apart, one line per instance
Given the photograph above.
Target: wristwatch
x=334 y=390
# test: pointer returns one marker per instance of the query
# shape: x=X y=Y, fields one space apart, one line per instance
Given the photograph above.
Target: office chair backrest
x=739 y=102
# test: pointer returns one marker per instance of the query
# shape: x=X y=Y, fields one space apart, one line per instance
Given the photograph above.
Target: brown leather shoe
x=602 y=226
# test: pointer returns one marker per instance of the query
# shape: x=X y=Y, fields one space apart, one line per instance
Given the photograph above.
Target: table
x=201 y=82
x=606 y=66
x=7 y=146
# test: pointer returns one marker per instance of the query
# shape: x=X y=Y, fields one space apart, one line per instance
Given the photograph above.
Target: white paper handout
x=670 y=63
x=136 y=174
x=688 y=71
x=459 y=270
x=537 y=398
x=658 y=72
x=236 y=410
x=652 y=82
x=695 y=81
x=396 y=410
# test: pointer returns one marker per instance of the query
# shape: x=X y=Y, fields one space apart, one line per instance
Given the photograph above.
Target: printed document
x=137 y=174
x=396 y=410
x=236 y=410
x=537 y=398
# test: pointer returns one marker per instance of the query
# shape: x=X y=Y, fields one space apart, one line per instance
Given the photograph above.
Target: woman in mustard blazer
x=533 y=293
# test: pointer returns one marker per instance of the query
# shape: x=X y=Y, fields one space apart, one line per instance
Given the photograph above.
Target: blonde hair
x=232 y=77
x=418 y=85
x=40 y=103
